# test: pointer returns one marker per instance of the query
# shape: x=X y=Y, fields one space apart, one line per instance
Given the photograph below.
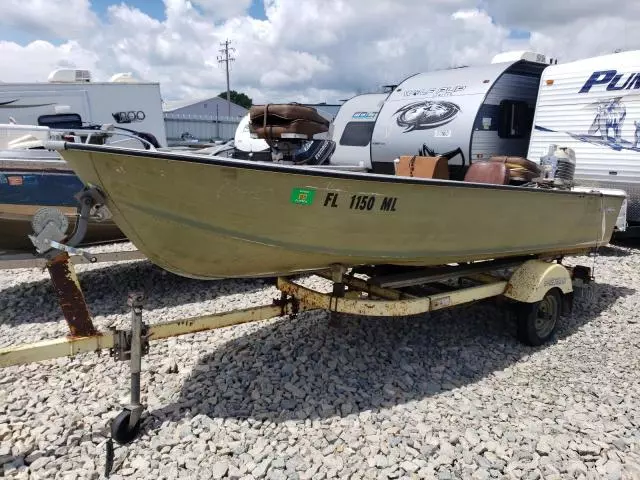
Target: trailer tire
x=537 y=321
x=121 y=430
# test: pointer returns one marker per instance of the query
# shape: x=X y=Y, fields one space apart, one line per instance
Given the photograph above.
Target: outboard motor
x=559 y=166
x=314 y=152
x=289 y=131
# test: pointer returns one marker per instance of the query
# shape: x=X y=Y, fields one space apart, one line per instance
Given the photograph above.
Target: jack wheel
x=538 y=321
x=121 y=431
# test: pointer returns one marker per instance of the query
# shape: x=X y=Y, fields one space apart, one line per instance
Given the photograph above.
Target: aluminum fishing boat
x=215 y=217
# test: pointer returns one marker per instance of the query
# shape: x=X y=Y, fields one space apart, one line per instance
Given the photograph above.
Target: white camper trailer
x=352 y=127
x=519 y=105
x=69 y=98
x=480 y=110
x=593 y=107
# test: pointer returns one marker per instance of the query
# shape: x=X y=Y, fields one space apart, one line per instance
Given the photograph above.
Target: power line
x=225 y=58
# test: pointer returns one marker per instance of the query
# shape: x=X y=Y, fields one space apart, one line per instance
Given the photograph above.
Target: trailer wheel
x=121 y=430
x=537 y=321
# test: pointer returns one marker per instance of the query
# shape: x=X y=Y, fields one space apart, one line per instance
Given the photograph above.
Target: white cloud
x=57 y=18
x=315 y=50
x=543 y=14
x=36 y=60
x=589 y=37
x=222 y=9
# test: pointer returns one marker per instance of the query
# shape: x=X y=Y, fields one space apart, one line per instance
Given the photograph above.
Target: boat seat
x=495 y=173
x=297 y=127
x=520 y=168
x=275 y=120
x=423 y=167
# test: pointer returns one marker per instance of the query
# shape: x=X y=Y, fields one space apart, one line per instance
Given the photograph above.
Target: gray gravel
x=449 y=396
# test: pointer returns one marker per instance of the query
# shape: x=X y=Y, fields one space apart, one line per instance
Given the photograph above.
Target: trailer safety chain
x=108 y=463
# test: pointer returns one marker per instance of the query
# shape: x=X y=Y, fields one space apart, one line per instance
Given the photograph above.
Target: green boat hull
x=220 y=218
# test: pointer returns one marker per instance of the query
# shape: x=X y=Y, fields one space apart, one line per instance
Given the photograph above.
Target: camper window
x=515 y=119
x=357 y=134
x=61 y=120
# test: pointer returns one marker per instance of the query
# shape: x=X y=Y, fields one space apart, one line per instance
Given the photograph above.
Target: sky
x=297 y=50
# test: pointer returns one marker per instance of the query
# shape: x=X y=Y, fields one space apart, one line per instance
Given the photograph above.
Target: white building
x=210 y=107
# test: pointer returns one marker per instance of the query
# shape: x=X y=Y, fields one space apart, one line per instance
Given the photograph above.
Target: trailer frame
x=535 y=283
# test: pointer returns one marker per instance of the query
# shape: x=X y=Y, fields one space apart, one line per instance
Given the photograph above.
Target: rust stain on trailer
x=189 y=324
x=70 y=297
x=186 y=323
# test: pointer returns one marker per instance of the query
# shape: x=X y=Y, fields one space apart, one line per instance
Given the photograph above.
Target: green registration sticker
x=302 y=196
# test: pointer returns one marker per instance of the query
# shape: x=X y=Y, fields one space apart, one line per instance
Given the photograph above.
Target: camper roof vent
x=69 y=75
x=519 y=55
x=123 y=77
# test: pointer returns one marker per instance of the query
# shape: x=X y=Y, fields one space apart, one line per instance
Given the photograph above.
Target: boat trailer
x=538 y=290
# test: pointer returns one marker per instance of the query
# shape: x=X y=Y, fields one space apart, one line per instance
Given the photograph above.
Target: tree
x=238 y=98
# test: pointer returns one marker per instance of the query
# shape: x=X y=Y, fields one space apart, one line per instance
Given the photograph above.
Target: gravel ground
x=449 y=396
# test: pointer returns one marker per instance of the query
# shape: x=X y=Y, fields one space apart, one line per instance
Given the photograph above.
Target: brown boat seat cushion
x=274 y=120
x=495 y=173
x=284 y=113
x=300 y=127
x=520 y=168
x=423 y=167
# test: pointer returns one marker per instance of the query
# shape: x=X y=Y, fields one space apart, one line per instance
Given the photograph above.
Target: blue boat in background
x=32 y=179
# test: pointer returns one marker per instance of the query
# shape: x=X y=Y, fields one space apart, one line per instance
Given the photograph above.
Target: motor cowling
x=559 y=166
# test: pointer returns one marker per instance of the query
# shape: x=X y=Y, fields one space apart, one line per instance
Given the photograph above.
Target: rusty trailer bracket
x=70 y=296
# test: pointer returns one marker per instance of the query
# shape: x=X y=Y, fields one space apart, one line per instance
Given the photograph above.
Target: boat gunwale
x=31 y=169
x=193 y=157
x=39 y=164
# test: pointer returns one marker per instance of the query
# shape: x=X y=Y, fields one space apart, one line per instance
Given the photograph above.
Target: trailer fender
x=533 y=279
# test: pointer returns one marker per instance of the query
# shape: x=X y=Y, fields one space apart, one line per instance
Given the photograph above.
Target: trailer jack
x=131 y=345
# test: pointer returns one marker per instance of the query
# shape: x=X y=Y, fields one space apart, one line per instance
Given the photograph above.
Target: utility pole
x=225 y=58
